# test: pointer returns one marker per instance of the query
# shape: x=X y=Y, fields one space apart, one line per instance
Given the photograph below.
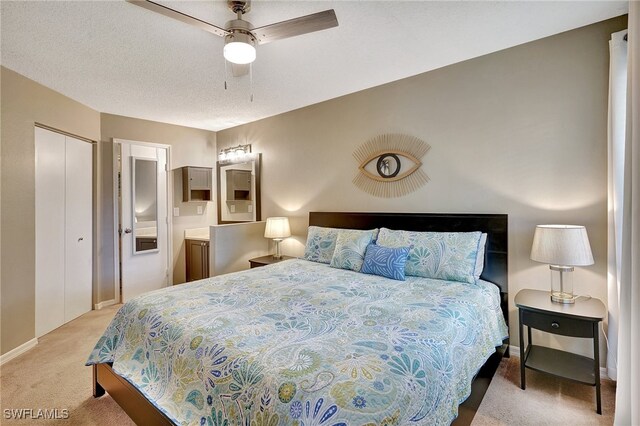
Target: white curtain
x=617 y=136
x=626 y=216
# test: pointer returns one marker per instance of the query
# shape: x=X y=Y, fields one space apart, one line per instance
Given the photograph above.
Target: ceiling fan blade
x=238 y=70
x=297 y=26
x=171 y=13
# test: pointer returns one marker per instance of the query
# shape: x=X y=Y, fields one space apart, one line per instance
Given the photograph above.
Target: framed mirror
x=239 y=189
x=144 y=193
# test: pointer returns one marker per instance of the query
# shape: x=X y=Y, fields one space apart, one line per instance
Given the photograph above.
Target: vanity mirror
x=239 y=189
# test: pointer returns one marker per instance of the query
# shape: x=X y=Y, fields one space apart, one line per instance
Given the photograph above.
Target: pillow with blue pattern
x=351 y=246
x=385 y=261
x=449 y=256
x=480 y=257
x=321 y=242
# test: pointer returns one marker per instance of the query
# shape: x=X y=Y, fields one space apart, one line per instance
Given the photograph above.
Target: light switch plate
x=199 y=209
x=176 y=211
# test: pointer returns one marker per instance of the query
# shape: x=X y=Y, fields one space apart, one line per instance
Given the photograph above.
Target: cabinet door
x=143 y=244
x=194 y=260
x=205 y=260
x=242 y=180
x=199 y=178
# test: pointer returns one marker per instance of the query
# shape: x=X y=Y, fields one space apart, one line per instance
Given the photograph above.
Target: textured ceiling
x=122 y=59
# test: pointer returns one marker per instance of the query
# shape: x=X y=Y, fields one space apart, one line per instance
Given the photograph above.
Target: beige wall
x=522 y=131
x=189 y=147
x=25 y=102
x=232 y=245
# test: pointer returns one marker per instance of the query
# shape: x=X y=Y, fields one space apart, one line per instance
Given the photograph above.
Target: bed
x=302 y=343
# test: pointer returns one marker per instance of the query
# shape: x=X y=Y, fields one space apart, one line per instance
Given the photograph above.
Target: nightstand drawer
x=557 y=324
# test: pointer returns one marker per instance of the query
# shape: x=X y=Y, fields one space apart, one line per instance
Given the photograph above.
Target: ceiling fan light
x=239 y=49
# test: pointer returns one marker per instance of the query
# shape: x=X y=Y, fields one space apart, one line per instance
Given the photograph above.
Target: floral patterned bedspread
x=300 y=343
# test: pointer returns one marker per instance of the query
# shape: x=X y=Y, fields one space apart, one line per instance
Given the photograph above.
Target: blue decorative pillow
x=385 y=261
x=351 y=246
x=321 y=242
x=447 y=256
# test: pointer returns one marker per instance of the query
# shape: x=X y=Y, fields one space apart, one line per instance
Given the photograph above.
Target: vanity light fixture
x=234 y=152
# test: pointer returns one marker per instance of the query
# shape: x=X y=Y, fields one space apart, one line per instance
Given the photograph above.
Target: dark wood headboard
x=495 y=225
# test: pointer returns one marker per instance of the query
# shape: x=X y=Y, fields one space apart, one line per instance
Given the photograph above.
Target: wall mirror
x=144 y=195
x=239 y=189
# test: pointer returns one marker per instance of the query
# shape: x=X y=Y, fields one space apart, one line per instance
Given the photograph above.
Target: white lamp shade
x=277 y=227
x=565 y=245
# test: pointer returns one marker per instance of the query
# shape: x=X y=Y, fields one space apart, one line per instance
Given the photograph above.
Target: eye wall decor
x=390 y=166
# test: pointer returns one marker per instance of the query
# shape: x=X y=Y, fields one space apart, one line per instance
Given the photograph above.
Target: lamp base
x=563 y=298
x=277 y=254
x=562 y=284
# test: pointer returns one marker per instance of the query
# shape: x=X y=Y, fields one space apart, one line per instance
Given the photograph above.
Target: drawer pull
x=555 y=325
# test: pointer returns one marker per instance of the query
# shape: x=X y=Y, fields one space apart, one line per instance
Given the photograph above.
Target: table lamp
x=562 y=247
x=277 y=228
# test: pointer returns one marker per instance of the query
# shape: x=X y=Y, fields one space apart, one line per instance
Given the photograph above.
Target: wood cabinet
x=146 y=243
x=196 y=183
x=238 y=185
x=197 y=252
x=238 y=195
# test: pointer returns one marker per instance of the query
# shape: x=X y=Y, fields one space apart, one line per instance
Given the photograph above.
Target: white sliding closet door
x=64 y=229
x=50 y=232
x=78 y=229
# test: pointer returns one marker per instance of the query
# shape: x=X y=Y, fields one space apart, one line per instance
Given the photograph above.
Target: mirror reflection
x=239 y=189
x=145 y=205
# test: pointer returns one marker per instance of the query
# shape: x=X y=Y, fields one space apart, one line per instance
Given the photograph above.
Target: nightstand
x=581 y=319
x=267 y=260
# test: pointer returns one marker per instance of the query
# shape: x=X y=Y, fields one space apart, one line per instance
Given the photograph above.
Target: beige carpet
x=53 y=376
x=546 y=401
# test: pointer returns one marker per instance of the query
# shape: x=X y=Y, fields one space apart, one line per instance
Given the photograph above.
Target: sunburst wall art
x=390 y=165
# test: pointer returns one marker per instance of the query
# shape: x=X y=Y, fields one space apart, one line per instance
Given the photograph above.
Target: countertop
x=197 y=234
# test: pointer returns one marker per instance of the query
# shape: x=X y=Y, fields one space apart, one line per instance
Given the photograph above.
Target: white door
x=78 y=229
x=64 y=229
x=144 y=224
x=50 y=230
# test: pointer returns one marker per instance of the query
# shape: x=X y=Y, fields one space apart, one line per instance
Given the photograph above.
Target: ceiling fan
x=240 y=37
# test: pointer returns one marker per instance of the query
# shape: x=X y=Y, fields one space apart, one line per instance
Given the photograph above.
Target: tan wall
x=522 y=131
x=232 y=245
x=25 y=102
x=189 y=147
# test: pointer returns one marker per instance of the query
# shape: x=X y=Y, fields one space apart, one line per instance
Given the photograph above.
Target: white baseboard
x=515 y=351
x=18 y=351
x=104 y=304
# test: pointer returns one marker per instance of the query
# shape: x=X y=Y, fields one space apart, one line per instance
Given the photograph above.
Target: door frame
x=117 y=210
